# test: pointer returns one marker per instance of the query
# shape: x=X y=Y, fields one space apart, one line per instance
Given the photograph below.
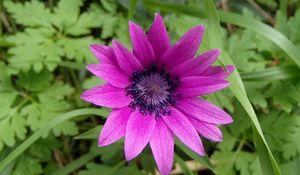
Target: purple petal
x=103 y=53
x=158 y=37
x=139 y=130
x=162 y=145
x=106 y=95
x=127 y=61
x=200 y=85
x=110 y=74
x=141 y=46
x=185 y=48
x=184 y=130
x=115 y=126
x=194 y=66
x=203 y=111
x=207 y=130
x=219 y=72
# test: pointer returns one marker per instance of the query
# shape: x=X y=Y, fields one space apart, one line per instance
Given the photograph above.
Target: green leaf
x=85 y=21
x=291 y=145
x=291 y=167
x=246 y=163
x=27 y=165
x=48 y=103
x=34 y=50
x=33 y=81
x=77 y=48
x=12 y=124
x=65 y=20
x=284 y=94
x=246 y=49
x=23 y=13
x=39 y=133
x=66 y=128
x=41 y=46
x=225 y=164
x=109 y=5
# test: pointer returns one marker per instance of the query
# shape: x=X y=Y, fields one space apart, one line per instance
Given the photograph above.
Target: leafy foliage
x=40 y=40
x=52 y=36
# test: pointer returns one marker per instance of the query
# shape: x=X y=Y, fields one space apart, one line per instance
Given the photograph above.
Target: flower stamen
x=152 y=91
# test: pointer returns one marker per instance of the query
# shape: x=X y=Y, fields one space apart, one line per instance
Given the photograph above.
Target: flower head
x=154 y=92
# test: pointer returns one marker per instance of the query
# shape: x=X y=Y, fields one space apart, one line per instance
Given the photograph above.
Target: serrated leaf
x=65 y=20
x=291 y=146
x=27 y=165
x=33 y=81
x=77 y=48
x=248 y=164
x=291 y=167
x=84 y=23
x=225 y=165
x=23 y=13
x=41 y=46
x=34 y=50
x=66 y=128
x=251 y=61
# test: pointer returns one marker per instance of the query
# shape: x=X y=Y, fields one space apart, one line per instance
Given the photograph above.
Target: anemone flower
x=154 y=92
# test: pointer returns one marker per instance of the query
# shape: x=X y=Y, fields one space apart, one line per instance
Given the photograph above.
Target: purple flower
x=154 y=92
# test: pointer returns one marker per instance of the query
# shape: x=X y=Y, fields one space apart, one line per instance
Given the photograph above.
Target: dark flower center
x=152 y=91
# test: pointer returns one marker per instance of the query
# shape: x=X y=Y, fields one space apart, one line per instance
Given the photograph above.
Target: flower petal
x=200 y=85
x=106 y=95
x=115 y=126
x=192 y=67
x=185 y=48
x=162 y=145
x=141 y=46
x=158 y=37
x=127 y=61
x=219 y=72
x=103 y=53
x=207 y=130
x=110 y=74
x=139 y=130
x=184 y=130
x=203 y=111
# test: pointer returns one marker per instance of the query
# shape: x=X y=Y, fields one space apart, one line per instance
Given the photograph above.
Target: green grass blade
x=274 y=73
x=185 y=169
x=269 y=165
x=90 y=134
x=39 y=133
x=131 y=9
x=203 y=160
x=74 y=165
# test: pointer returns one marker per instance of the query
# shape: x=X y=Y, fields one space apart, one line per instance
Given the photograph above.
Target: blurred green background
x=44 y=51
